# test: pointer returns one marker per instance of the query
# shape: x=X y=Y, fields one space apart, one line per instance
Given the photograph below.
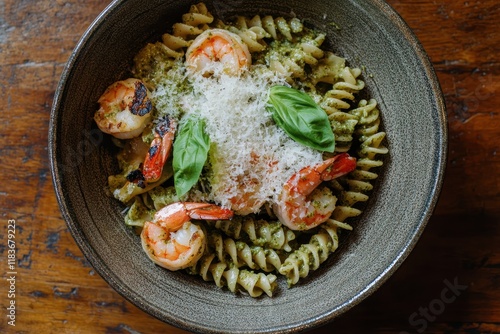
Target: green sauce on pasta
x=251 y=252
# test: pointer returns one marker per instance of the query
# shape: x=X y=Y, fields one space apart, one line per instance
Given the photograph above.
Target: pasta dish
x=244 y=149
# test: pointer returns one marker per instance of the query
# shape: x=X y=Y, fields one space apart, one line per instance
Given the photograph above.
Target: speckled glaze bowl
x=368 y=33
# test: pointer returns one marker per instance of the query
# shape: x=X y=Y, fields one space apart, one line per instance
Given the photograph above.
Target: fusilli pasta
x=241 y=254
x=309 y=256
x=258 y=231
x=193 y=23
x=246 y=253
x=235 y=279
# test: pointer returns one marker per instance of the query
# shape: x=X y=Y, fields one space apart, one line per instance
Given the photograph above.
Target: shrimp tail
x=159 y=151
x=176 y=214
x=338 y=166
x=308 y=178
x=208 y=211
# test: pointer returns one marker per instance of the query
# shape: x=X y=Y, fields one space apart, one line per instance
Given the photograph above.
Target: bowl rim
x=114 y=281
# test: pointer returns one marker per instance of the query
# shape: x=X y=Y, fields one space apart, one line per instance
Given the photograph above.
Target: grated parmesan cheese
x=250 y=157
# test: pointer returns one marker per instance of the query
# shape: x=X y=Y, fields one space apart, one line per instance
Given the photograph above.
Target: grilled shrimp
x=125 y=109
x=218 y=46
x=159 y=150
x=302 y=205
x=172 y=241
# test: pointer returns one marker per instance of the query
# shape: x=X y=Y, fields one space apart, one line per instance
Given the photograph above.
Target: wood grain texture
x=449 y=284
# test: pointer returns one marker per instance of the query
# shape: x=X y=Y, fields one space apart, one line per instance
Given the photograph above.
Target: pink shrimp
x=159 y=150
x=125 y=109
x=302 y=205
x=218 y=46
x=172 y=241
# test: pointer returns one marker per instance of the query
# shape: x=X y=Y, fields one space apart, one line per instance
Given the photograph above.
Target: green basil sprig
x=301 y=118
x=190 y=153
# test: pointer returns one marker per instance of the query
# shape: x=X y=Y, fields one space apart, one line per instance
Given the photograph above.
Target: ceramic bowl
x=369 y=34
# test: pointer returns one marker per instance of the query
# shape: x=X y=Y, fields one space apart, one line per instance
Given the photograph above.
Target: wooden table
x=449 y=284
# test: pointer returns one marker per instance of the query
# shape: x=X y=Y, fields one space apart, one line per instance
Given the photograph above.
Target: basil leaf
x=301 y=118
x=190 y=153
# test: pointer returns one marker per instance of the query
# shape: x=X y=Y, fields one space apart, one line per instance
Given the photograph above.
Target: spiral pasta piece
x=138 y=213
x=337 y=101
x=254 y=283
x=343 y=125
x=279 y=27
x=310 y=256
x=235 y=279
x=360 y=181
x=242 y=254
x=231 y=228
x=183 y=33
x=282 y=32
x=251 y=32
x=327 y=69
x=292 y=65
x=368 y=132
x=273 y=235
x=337 y=98
x=259 y=232
x=311 y=47
x=342 y=212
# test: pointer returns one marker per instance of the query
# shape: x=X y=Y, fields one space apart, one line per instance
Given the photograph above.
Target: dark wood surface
x=449 y=284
